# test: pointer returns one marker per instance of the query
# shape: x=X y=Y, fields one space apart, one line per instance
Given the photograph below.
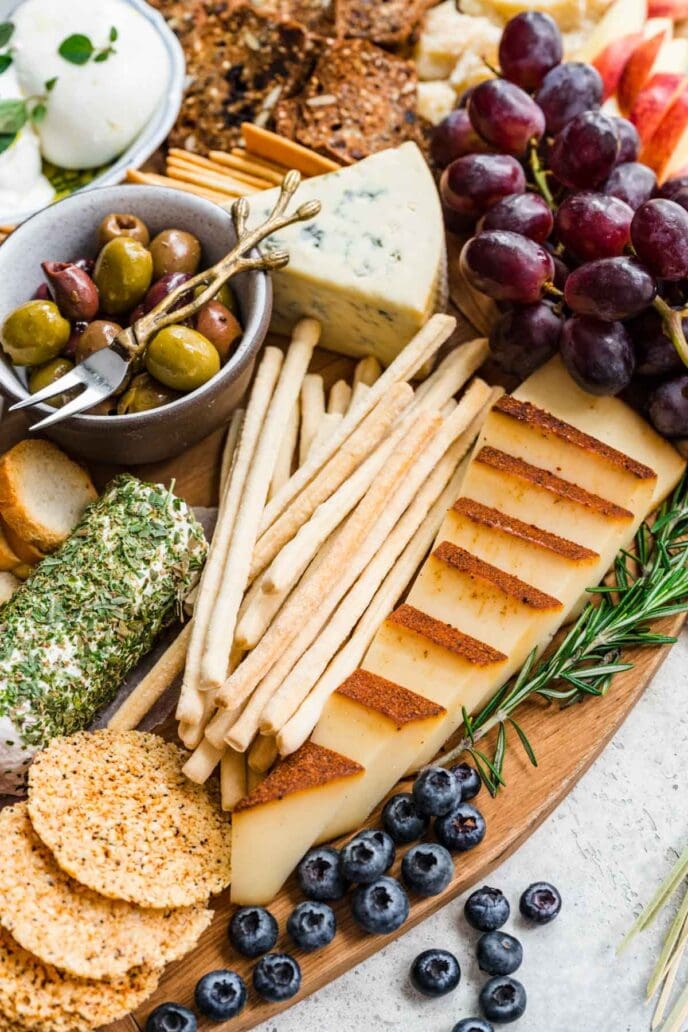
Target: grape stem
x=540 y=176
x=673 y=324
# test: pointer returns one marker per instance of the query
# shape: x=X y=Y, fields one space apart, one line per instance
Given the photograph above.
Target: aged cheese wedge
x=383 y=727
x=371 y=266
x=274 y=826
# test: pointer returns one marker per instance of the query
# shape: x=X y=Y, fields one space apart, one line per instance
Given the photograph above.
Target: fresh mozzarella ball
x=22 y=183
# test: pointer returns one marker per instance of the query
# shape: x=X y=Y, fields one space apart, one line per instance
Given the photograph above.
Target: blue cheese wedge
x=371 y=267
x=88 y=614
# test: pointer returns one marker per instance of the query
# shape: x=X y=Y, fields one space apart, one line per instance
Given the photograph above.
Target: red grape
x=629 y=140
x=668 y=407
x=609 y=289
x=454 y=137
x=530 y=46
x=526 y=213
x=472 y=184
x=655 y=354
x=631 y=182
x=592 y=225
x=567 y=91
x=598 y=355
x=561 y=272
x=504 y=115
x=524 y=337
x=507 y=266
x=584 y=152
x=672 y=187
x=659 y=233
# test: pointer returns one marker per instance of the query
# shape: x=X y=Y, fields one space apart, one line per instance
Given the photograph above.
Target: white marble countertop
x=607 y=848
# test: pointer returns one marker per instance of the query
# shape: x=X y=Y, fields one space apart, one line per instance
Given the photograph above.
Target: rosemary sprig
x=650 y=583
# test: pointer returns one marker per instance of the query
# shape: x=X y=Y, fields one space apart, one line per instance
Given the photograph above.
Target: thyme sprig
x=648 y=584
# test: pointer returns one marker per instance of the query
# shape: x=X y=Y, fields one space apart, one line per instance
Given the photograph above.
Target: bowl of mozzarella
x=88 y=89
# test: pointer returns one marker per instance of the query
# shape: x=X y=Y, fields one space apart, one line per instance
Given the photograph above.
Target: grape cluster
x=582 y=251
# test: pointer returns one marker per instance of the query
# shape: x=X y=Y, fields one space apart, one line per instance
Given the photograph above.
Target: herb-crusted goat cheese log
x=72 y=634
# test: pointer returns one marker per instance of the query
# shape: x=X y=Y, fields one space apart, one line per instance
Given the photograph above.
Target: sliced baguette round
x=26 y=552
x=8 y=585
x=8 y=557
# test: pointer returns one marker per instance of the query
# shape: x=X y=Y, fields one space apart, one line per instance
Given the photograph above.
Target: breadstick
x=262 y=753
x=367 y=371
x=253 y=779
x=191 y=733
x=316 y=596
x=327 y=426
x=261 y=609
x=242 y=164
x=285 y=455
x=453 y=371
x=202 y=762
x=340 y=397
x=312 y=411
x=220 y=633
x=425 y=343
x=233 y=785
x=190 y=707
x=151 y=687
x=231 y=441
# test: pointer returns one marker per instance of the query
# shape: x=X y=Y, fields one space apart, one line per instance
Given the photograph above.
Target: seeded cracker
x=43 y=999
x=65 y=924
x=120 y=817
x=387 y=22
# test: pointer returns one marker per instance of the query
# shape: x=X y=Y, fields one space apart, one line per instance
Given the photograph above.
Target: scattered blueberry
x=252 y=931
x=503 y=999
x=487 y=909
x=473 y=1025
x=462 y=829
x=427 y=868
x=367 y=856
x=435 y=972
x=171 y=1017
x=221 y=995
x=277 y=976
x=403 y=820
x=320 y=874
x=499 y=953
x=469 y=779
x=312 y=925
x=381 y=907
x=540 y=903
x=436 y=791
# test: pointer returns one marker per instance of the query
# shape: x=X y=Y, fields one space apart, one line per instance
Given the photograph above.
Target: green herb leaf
x=102 y=56
x=114 y=34
x=6 y=141
x=77 y=49
x=6 y=33
x=38 y=113
x=5 y=62
x=50 y=84
x=13 y=116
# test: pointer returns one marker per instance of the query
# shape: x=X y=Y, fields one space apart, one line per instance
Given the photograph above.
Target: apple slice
x=622 y=18
x=638 y=69
x=611 y=62
x=653 y=102
x=677 y=10
x=666 y=152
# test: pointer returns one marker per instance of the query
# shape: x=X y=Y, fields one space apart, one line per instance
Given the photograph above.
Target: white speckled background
x=607 y=848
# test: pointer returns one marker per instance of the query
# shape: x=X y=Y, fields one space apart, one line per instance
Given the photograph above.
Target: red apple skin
x=677 y=10
x=653 y=102
x=637 y=71
x=666 y=152
x=611 y=61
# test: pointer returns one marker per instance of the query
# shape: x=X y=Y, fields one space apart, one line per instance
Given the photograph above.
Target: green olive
x=97 y=335
x=34 y=333
x=181 y=358
x=225 y=296
x=117 y=224
x=49 y=373
x=144 y=393
x=175 y=250
x=123 y=274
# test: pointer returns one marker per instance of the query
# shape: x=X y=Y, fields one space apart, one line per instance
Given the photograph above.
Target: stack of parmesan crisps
x=105 y=875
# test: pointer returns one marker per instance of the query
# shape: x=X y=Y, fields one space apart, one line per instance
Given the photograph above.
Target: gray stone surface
x=607 y=848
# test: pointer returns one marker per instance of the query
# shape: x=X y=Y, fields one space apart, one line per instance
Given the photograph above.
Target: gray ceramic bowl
x=65 y=231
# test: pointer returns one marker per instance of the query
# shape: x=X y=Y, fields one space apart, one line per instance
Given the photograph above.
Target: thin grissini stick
x=152 y=687
x=360 y=391
x=367 y=371
x=453 y=371
x=253 y=779
x=262 y=753
x=318 y=594
x=312 y=411
x=221 y=627
x=339 y=466
x=413 y=498
x=240 y=164
x=285 y=455
x=190 y=707
x=232 y=778
x=327 y=426
x=218 y=728
x=191 y=734
x=231 y=441
x=201 y=764
x=340 y=397
x=257 y=617
x=427 y=341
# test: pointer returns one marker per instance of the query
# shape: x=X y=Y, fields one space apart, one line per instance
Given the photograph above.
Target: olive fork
x=102 y=373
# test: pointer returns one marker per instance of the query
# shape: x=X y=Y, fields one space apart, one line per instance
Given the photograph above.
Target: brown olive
x=123 y=274
x=97 y=335
x=103 y=408
x=75 y=293
x=225 y=296
x=218 y=324
x=181 y=358
x=175 y=250
x=144 y=393
x=34 y=333
x=47 y=374
x=116 y=225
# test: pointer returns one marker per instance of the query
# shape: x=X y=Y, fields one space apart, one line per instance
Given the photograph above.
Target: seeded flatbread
x=120 y=817
x=41 y=998
x=65 y=924
x=387 y=22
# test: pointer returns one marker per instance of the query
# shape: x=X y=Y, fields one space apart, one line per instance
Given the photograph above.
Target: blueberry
x=221 y=995
x=277 y=976
x=320 y=874
x=427 y=868
x=469 y=779
x=487 y=909
x=499 y=953
x=540 y=903
x=473 y=1025
x=252 y=931
x=312 y=925
x=435 y=972
x=503 y=999
x=381 y=907
x=368 y=855
x=436 y=791
x=403 y=820
x=171 y=1017
x=462 y=829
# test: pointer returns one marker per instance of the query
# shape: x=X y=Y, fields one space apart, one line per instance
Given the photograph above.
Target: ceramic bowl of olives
x=78 y=272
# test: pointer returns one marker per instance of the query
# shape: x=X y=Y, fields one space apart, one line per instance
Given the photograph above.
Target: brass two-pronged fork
x=104 y=372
